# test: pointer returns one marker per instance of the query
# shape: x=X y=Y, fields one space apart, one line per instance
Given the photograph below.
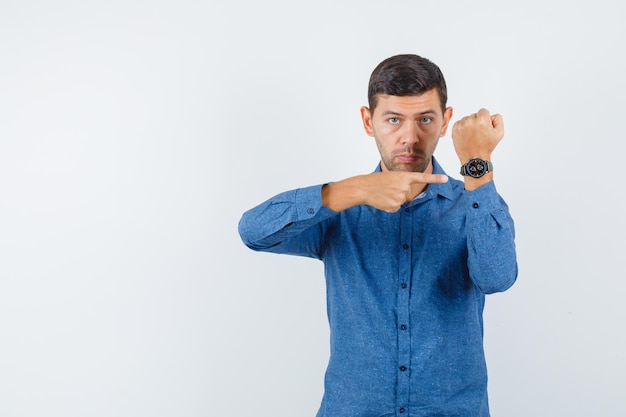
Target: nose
x=410 y=134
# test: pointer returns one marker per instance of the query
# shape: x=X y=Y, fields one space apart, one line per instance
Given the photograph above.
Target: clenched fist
x=477 y=135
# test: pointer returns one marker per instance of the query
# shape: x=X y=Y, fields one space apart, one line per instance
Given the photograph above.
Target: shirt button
x=403 y=285
x=406 y=210
x=403 y=327
x=405 y=246
x=310 y=211
x=401 y=410
x=475 y=205
x=403 y=368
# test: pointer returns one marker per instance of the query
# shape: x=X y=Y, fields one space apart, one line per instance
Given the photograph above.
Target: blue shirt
x=405 y=292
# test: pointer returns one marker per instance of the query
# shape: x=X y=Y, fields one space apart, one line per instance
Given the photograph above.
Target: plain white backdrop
x=133 y=135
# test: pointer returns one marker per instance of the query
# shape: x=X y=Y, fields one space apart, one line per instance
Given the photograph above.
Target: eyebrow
x=394 y=113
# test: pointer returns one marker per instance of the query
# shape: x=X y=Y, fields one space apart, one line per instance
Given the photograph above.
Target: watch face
x=476 y=168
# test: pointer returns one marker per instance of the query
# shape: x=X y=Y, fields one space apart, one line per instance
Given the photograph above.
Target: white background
x=133 y=135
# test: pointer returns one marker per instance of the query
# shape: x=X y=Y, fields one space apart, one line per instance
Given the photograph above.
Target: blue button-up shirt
x=405 y=292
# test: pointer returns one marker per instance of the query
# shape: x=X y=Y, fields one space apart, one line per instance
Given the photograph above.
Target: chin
x=416 y=166
x=412 y=167
x=406 y=168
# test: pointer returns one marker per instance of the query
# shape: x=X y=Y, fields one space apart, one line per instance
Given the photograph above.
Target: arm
x=293 y=222
x=290 y=222
x=476 y=136
x=492 y=260
x=386 y=191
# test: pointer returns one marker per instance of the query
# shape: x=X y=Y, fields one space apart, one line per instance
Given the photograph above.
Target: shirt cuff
x=483 y=199
x=308 y=203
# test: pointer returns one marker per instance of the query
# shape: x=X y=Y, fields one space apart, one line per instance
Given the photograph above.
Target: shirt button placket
x=404 y=345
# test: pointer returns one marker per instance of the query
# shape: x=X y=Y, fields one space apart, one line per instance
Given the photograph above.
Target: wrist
x=473 y=183
x=476 y=168
x=343 y=194
x=466 y=157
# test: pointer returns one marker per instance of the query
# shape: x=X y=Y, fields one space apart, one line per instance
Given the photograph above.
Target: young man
x=409 y=254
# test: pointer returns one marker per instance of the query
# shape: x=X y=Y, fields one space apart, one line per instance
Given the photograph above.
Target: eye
x=393 y=120
x=426 y=120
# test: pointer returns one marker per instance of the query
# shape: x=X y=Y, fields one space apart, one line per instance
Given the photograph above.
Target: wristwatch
x=476 y=168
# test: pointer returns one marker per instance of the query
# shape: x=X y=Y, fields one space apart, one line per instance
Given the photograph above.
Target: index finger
x=422 y=178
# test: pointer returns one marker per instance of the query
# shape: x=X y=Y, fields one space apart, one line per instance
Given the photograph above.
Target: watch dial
x=476 y=168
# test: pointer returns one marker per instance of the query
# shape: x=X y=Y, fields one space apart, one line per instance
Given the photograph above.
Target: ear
x=447 y=116
x=366 y=116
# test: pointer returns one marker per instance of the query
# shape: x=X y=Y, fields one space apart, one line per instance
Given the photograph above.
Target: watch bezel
x=476 y=168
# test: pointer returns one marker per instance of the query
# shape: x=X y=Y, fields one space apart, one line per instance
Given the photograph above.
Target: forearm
x=283 y=217
x=492 y=259
x=342 y=195
x=385 y=191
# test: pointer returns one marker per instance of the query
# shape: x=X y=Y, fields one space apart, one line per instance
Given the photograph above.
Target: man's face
x=407 y=129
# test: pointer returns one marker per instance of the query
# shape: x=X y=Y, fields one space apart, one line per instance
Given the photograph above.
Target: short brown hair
x=406 y=75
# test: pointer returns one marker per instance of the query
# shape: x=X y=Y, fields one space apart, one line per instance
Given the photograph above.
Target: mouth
x=408 y=158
